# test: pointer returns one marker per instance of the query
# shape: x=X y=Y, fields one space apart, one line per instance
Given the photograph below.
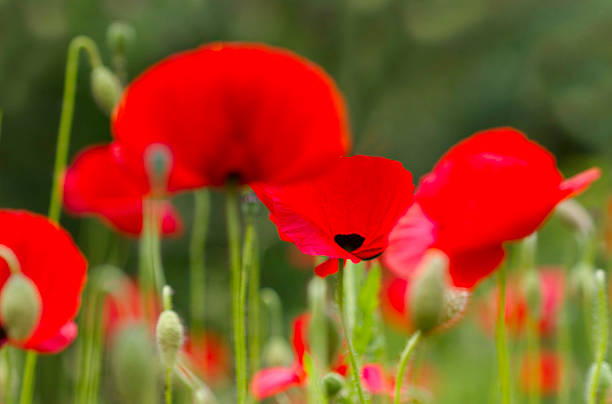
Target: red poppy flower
x=541 y=373
x=209 y=355
x=50 y=259
x=95 y=184
x=376 y=380
x=552 y=290
x=346 y=213
x=496 y=186
x=239 y=111
x=271 y=381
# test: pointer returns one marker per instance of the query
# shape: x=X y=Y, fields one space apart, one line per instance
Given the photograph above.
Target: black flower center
x=349 y=242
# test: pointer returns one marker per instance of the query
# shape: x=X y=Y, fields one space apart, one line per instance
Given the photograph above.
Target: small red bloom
x=271 y=381
x=247 y=112
x=552 y=290
x=376 y=380
x=496 y=186
x=95 y=184
x=346 y=213
x=209 y=355
x=50 y=259
x=541 y=373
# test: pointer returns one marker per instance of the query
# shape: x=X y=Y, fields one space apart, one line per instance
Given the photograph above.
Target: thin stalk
x=8 y=357
x=169 y=385
x=533 y=349
x=27 y=386
x=350 y=297
x=600 y=331
x=355 y=369
x=254 y=312
x=248 y=258
x=233 y=234
x=403 y=364
x=564 y=347
x=318 y=334
x=197 y=259
x=500 y=339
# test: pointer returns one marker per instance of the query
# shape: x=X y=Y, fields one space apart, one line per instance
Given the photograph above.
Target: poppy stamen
x=349 y=242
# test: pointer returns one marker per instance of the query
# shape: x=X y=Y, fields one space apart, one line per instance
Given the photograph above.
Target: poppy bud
x=333 y=383
x=532 y=292
x=428 y=295
x=203 y=396
x=277 y=352
x=576 y=216
x=170 y=335
x=250 y=204
x=119 y=36
x=105 y=88
x=455 y=301
x=158 y=162
x=20 y=307
x=604 y=383
x=133 y=365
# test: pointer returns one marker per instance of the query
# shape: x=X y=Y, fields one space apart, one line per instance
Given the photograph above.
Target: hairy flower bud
x=333 y=383
x=277 y=352
x=20 y=307
x=105 y=88
x=170 y=336
x=428 y=295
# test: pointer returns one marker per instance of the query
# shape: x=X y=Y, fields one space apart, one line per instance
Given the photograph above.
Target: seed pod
x=20 y=307
x=170 y=334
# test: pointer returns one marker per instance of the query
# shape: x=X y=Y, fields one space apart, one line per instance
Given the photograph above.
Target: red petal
x=374 y=380
x=96 y=185
x=300 y=336
x=210 y=355
x=361 y=195
x=493 y=187
x=59 y=342
x=579 y=182
x=547 y=368
x=268 y=382
x=328 y=267
x=49 y=257
x=468 y=268
x=280 y=119
x=394 y=296
x=552 y=289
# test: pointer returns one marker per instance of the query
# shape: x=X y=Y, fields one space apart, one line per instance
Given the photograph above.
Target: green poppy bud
x=20 y=307
x=277 y=352
x=334 y=383
x=119 y=36
x=428 y=293
x=170 y=336
x=105 y=88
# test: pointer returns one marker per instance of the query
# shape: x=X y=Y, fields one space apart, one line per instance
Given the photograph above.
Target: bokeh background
x=417 y=75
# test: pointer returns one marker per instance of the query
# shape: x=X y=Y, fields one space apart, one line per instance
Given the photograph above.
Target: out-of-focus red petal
x=493 y=187
x=125 y=306
x=552 y=289
x=280 y=119
x=268 y=382
x=48 y=256
x=394 y=295
x=60 y=341
x=542 y=374
x=95 y=184
x=374 y=379
x=300 y=337
x=579 y=182
x=356 y=203
x=470 y=267
x=210 y=355
x=327 y=268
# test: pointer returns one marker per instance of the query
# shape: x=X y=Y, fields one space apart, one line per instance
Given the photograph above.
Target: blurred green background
x=417 y=75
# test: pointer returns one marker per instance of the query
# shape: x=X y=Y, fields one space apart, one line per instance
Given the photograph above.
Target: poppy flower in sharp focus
x=271 y=381
x=233 y=111
x=541 y=373
x=49 y=258
x=551 y=290
x=346 y=213
x=493 y=187
x=209 y=354
x=95 y=184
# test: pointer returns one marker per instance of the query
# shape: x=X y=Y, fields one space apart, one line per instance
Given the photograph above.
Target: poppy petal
x=95 y=184
x=60 y=341
x=48 y=256
x=327 y=268
x=268 y=382
x=374 y=380
x=300 y=337
x=579 y=182
x=279 y=120
x=470 y=267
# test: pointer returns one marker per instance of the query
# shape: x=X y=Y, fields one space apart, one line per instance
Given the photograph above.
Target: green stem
x=351 y=350
x=564 y=347
x=233 y=234
x=600 y=331
x=318 y=335
x=254 y=309
x=27 y=386
x=500 y=338
x=403 y=364
x=533 y=349
x=65 y=126
x=197 y=259
x=350 y=298
x=150 y=266
x=275 y=312
x=8 y=357
x=169 y=385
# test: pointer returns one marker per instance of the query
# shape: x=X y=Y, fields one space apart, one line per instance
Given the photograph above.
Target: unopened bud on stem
x=428 y=293
x=169 y=331
x=20 y=307
x=106 y=88
x=119 y=36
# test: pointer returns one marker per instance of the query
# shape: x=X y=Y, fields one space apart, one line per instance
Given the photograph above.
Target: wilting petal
x=59 y=342
x=347 y=212
x=268 y=382
x=280 y=119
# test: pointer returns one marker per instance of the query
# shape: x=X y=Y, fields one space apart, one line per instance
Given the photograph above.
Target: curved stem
x=500 y=338
x=197 y=259
x=351 y=350
x=403 y=364
x=233 y=234
x=65 y=125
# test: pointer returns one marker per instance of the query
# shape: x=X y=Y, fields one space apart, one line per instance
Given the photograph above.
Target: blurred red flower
x=95 y=184
x=552 y=291
x=232 y=111
x=209 y=354
x=346 y=213
x=378 y=381
x=271 y=381
x=496 y=186
x=542 y=373
x=50 y=259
